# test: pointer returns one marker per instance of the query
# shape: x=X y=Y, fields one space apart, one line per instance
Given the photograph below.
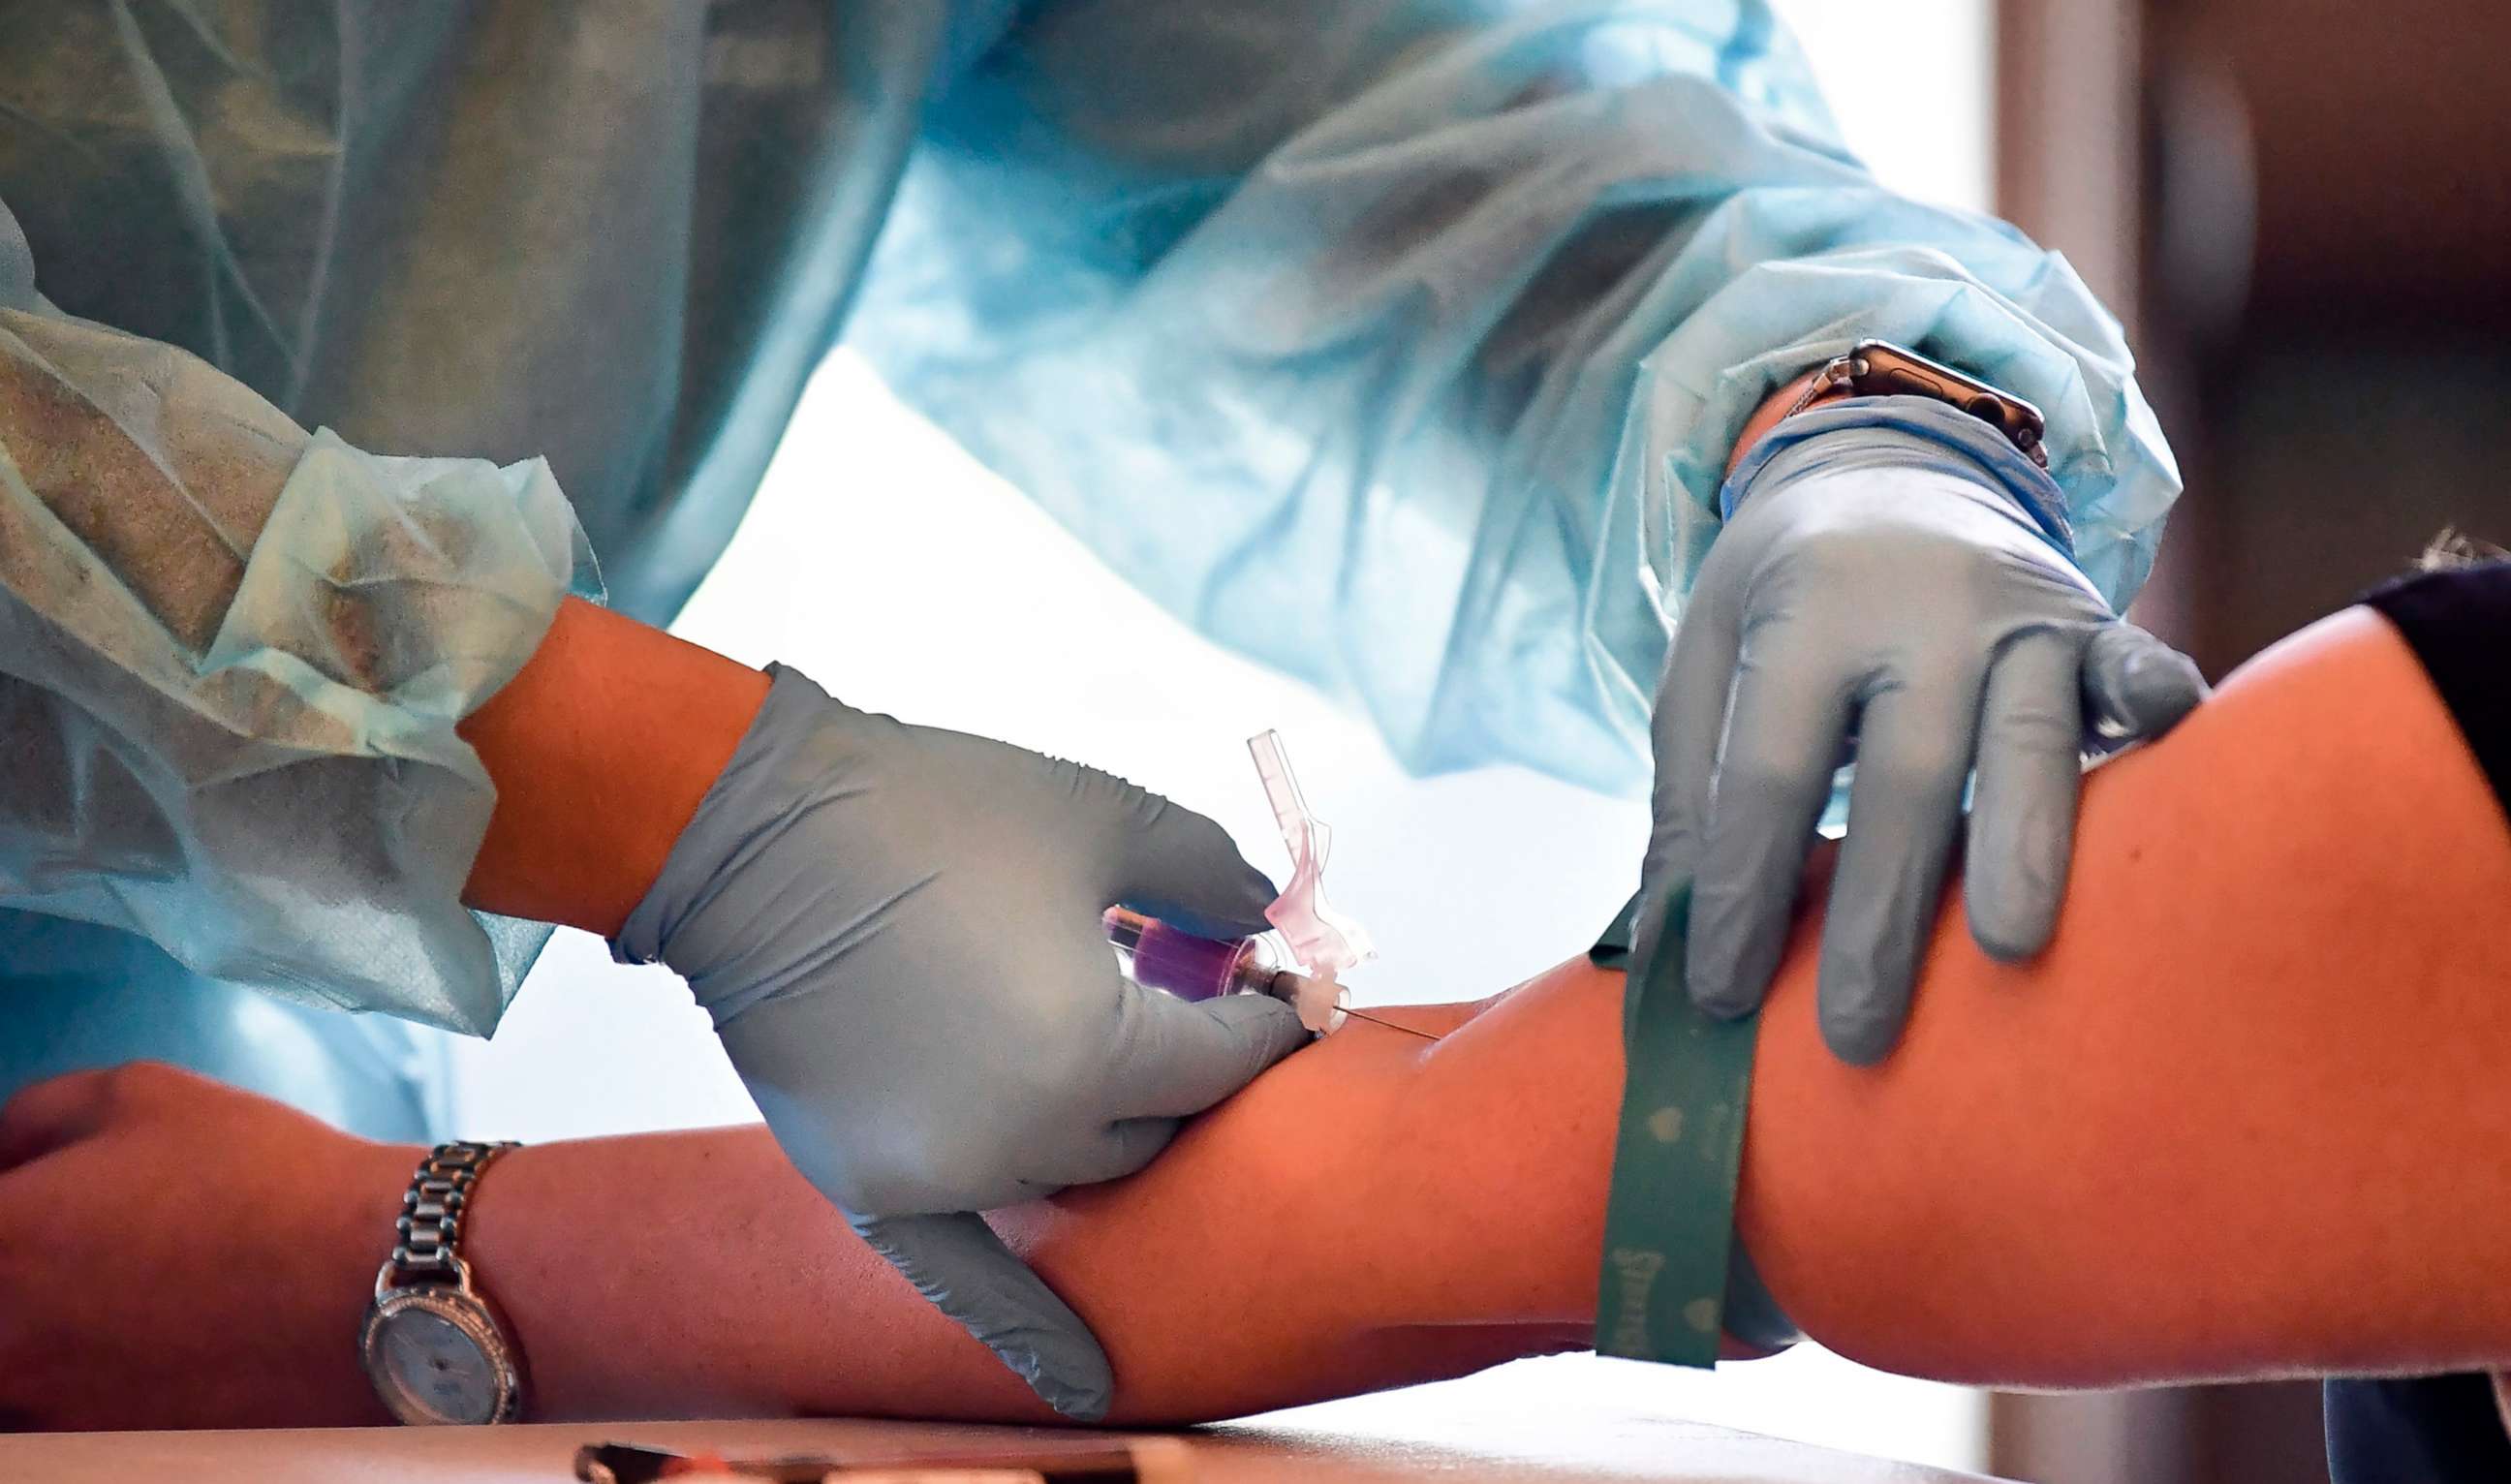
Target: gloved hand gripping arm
x=1895 y=585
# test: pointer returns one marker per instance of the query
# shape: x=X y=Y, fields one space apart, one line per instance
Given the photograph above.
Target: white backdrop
x=902 y=576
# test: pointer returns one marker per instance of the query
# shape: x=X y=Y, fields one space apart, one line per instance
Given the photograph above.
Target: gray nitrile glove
x=897 y=932
x=1893 y=585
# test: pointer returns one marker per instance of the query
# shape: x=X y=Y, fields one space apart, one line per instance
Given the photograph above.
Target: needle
x=1389 y=1025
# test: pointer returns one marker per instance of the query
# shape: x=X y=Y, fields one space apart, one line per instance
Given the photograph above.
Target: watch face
x=431 y=1365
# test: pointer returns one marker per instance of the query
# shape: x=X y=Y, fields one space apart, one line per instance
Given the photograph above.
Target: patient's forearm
x=697 y=1274
x=2245 y=1116
x=1236 y=1274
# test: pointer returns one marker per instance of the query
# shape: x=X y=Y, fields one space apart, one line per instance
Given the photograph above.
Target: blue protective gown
x=1397 y=342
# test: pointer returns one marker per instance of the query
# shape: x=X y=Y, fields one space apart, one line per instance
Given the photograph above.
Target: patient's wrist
x=349 y=1221
x=346 y=1235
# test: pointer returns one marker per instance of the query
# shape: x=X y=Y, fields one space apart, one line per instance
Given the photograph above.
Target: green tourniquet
x=1670 y=1217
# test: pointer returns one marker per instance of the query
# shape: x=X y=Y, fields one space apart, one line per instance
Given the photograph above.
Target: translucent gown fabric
x=1403 y=345
x=1397 y=342
x=231 y=658
x=82 y=996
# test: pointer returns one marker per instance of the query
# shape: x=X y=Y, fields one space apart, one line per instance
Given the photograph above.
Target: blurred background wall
x=2304 y=208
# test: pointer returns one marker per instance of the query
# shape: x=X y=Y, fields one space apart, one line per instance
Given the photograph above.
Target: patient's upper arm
x=2226 y=1119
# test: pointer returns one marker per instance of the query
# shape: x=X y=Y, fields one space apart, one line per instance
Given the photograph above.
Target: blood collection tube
x=1322 y=942
x=1160 y=956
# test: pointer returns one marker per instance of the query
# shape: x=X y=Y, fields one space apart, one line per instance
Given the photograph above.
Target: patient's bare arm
x=2246 y=1116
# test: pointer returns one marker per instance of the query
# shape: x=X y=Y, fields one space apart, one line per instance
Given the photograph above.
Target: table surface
x=1454 y=1431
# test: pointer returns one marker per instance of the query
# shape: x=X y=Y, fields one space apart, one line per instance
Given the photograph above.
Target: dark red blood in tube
x=1187 y=967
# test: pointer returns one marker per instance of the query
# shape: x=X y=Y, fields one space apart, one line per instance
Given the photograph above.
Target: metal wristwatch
x=435 y=1348
x=1881 y=368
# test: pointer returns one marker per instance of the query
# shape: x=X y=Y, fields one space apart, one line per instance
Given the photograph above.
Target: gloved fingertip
x=2138 y=686
x=1187 y=872
x=962 y=1268
x=2160 y=691
x=1716 y=987
x=1249 y=893
x=2009 y=937
x=1080 y=1405
x=1864 y=998
x=1223 y=924
x=1726 y=979
x=2012 y=907
x=1725 y=1004
x=1272 y=1027
x=1860 y=1040
x=1077 y=1387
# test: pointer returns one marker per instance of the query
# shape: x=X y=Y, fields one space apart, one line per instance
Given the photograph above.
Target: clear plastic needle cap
x=1324 y=941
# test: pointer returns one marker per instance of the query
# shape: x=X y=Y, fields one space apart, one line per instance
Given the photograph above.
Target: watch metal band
x=428 y=1248
x=1831 y=376
x=1881 y=368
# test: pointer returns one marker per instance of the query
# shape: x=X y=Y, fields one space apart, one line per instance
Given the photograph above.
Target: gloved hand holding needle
x=897 y=932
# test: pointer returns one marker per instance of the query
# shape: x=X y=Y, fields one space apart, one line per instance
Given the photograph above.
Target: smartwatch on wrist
x=435 y=1348
x=1881 y=368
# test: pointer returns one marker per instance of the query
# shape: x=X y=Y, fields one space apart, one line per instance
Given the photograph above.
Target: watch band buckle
x=1881 y=368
